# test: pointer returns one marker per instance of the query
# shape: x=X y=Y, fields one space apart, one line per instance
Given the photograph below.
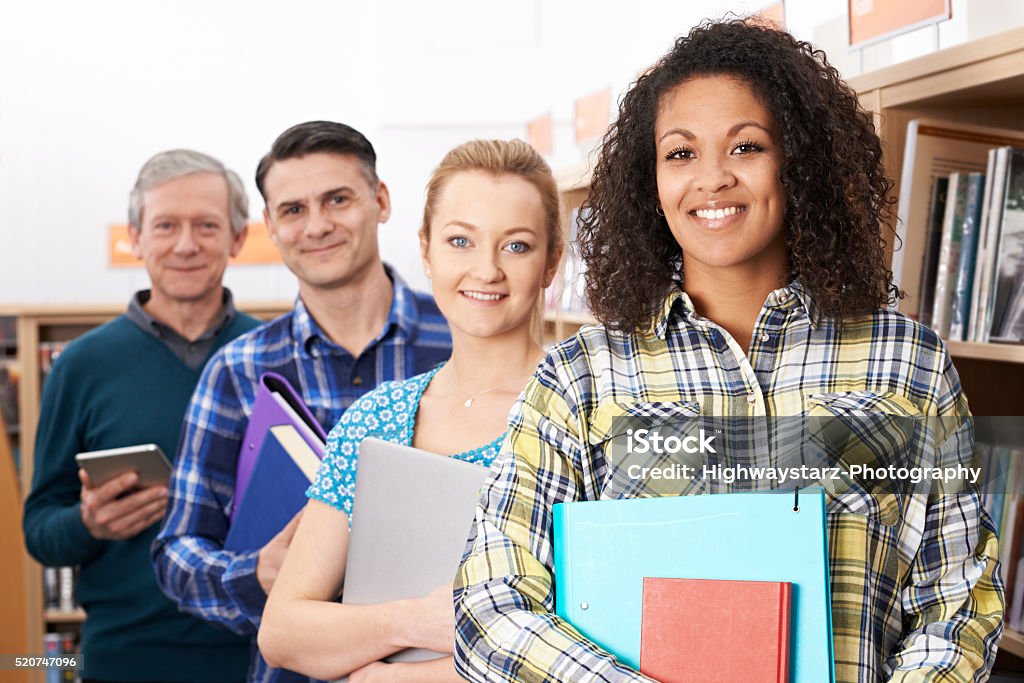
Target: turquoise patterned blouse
x=389 y=413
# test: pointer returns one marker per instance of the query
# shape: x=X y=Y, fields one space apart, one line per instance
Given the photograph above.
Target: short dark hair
x=314 y=137
x=837 y=194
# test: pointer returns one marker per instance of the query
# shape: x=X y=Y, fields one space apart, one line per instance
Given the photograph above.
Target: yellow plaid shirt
x=916 y=594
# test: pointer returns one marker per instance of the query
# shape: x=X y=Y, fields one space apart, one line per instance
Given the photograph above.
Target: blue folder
x=283 y=471
x=604 y=549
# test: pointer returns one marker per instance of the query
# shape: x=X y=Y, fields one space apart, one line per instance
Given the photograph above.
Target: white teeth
x=717 y=214
x=480 y=296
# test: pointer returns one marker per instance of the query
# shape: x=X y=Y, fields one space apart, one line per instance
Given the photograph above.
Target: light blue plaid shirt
x=192 y=567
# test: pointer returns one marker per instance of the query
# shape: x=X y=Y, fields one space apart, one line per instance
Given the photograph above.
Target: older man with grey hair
x=128 y=382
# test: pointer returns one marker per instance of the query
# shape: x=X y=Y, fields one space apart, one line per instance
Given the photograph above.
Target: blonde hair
x=498 y=158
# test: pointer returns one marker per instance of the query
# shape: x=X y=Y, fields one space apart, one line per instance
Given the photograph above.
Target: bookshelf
x=573 y=186
x=980 y=82
x=35 y=327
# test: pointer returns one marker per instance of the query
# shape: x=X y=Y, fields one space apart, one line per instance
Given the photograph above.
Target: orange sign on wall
x=258 y=248
x=874 y=20
x=539 y=134
x=592 y=114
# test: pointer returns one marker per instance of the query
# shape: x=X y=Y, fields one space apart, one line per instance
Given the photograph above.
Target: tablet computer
x=147 y=459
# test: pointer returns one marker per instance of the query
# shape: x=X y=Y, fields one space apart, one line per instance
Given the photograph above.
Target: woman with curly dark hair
x=735 y=258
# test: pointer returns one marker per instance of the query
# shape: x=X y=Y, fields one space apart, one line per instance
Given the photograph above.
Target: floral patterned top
x=389 y=413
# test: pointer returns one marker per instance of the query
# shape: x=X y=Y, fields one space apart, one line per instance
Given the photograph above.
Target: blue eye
x=458 y=242
x=518 y=247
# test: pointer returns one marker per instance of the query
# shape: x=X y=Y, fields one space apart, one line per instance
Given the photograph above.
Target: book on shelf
x=949 y=253
x=1002 y=498
x=8 y=336
x=963 y=280
x=1015 y=593
x=986 y=252
x=56 y=645
x=9 y=379
x=48 y=354
x=60 y=587
x=935 y=148
x=1009 y=270
x=933 y=242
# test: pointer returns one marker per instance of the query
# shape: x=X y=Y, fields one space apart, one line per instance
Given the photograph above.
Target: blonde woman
x=490 y=243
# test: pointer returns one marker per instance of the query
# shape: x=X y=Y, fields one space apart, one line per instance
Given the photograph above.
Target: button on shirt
x=915 y=596
x=191 y=566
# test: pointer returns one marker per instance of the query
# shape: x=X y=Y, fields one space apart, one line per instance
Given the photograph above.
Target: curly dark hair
x=837 y=194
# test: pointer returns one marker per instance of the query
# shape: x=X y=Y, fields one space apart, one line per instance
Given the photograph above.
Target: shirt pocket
x=876 y=431
x=622 y=431
x=612 y=419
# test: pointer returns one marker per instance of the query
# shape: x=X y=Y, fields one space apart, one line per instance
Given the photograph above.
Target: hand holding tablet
x=124 y=490
x=147 y=460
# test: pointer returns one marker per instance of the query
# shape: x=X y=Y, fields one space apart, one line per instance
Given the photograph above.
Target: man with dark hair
x=128 y=382
x=355 y=324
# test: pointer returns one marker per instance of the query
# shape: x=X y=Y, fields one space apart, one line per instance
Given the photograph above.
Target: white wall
x=89 y=90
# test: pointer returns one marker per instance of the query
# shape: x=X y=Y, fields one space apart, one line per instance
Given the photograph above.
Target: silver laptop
x=411 y=518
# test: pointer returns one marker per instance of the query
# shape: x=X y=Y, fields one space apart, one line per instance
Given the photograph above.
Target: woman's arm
x=440 y=670
x=304 y=630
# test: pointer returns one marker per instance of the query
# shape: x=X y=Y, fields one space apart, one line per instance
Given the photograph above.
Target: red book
x=715 y=631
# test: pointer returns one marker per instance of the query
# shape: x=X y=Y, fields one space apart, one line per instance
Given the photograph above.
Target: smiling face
x=719 y=155
x=185 y=239
x=322 y=213
x=487 y=253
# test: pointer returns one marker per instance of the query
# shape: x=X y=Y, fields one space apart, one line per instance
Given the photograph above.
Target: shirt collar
x=404 y=314
x=677 y=302
x=138 y=314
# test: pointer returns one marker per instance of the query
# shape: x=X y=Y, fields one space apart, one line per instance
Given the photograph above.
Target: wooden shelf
x=57 y=616
x=1012 y=642
x=574 y=178
x=1005 y=353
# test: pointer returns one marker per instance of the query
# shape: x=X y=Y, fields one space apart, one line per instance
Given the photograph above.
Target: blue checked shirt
x=192 y=568
x=916 y=591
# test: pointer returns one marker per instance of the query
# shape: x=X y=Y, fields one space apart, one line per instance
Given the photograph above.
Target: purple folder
x=268 y=412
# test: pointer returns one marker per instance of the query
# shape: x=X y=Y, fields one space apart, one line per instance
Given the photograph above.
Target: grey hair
x=175 y=163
